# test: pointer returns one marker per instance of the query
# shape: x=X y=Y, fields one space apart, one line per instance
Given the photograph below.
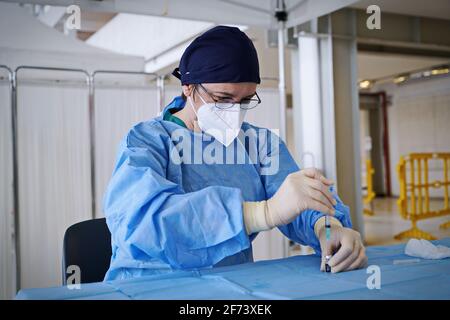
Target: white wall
x=419 y=121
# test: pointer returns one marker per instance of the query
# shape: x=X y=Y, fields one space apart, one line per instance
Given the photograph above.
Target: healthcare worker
x=179 y=200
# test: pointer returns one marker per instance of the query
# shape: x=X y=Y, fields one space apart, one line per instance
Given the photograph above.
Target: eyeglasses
x=245 y=104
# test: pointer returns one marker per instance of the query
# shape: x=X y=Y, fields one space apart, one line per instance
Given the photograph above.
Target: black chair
x=87 y=245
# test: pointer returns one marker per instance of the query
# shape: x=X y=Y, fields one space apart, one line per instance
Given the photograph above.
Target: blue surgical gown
x=165 y=215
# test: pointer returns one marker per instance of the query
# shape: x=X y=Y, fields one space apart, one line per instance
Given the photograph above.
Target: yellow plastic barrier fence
x=414 y=200
x=370 y=195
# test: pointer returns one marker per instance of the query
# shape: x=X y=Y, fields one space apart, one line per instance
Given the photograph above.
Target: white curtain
x=118 y=106
x=54 y=171
x=7 y=257
x=54 y=158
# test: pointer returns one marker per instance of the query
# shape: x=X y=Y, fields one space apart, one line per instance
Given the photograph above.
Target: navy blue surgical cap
x=220 y=55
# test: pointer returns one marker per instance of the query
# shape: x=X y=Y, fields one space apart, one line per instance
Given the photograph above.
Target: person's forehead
x=243 y=88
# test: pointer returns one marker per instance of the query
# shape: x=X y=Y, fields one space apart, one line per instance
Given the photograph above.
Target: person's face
x=230 y=92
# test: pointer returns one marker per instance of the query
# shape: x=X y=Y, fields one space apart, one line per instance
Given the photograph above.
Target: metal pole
x=161 y=92
x=92 y=144
x=281 y=15
x=124 y=72
x=15 y=176
x=12 y=84
x=53 y=69
x=282 y=80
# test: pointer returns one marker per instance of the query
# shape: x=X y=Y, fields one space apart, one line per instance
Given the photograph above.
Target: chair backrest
x=87 y=245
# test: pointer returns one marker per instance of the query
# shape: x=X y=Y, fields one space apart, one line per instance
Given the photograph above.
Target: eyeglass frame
x=213 y=98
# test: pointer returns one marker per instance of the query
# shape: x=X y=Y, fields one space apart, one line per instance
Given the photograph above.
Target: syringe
x=327 y=237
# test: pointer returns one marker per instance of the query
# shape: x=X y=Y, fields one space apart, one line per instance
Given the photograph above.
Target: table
x=402 y=277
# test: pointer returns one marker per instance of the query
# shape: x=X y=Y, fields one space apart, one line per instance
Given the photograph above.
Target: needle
x=327 y=237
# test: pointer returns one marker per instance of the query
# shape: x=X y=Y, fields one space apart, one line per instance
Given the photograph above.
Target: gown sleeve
x=152 y=217
x=301 y=230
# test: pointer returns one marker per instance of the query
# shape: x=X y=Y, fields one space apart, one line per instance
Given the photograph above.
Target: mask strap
x=192 y=106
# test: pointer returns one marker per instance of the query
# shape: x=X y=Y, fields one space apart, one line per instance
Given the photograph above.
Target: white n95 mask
x=222 y=122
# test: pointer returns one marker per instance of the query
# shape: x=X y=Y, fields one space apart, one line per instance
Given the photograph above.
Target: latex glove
x=301 y=190
x=345 y=246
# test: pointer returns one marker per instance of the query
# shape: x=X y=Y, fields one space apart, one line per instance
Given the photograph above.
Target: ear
x=188 y=89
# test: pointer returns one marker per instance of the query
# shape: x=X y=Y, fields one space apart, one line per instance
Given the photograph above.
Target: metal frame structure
x=16 y=156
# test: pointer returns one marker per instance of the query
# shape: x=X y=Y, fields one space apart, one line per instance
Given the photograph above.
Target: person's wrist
x=271 y=214
x=255 y=219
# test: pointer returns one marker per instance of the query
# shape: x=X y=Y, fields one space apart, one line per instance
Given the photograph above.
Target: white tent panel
x=54 y=175
x=24 y=40
x=244 y=12
x=117 y=109
x=140 y=35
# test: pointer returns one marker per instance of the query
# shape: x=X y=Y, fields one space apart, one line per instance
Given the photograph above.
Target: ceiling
x=439 y=9
x=376 y=65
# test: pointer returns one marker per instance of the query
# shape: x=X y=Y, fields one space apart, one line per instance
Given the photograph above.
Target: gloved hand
x=301 y=190
x=345 y=246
